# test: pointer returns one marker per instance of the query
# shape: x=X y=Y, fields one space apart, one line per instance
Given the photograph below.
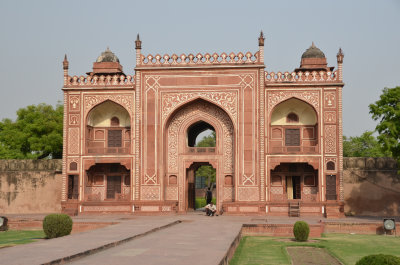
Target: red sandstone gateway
x=129 y=140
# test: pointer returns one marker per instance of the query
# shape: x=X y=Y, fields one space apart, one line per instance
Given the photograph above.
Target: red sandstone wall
x=371 y=187
x=30 y=186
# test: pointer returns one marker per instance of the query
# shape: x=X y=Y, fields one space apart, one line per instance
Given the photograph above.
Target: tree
x=387 y=111
x=207 y=171
x=365 y=145
x=207 y=141
x=36 y=133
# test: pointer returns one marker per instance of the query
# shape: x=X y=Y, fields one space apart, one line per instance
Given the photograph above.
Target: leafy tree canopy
x=207 y=141
x=36 y=133
x=365 y=145
x=387 y=111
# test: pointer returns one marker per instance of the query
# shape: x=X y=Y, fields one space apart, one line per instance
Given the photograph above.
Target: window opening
x=114 y=138
x=292 y=137
x=292 y=118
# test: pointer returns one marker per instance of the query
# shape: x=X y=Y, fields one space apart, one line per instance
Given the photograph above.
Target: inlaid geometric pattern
x=310 y=190
x=277 y=190
x=248 y=194
x=228 y=193
x=73 y=141
x=171 y=193
x=166 y=208
x=330 y=139
x=150 y=193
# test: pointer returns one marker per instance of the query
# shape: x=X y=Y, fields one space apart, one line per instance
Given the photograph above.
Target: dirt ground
x=311 y=256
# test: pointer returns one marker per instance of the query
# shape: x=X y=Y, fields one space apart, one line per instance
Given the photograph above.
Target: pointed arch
x=305 y=112
x=176 y=151
x=103 y=113
x=227 y=101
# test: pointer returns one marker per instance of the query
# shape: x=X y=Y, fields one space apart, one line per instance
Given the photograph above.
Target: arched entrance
x=179 y=152
x=196 y=184
x=294 y=181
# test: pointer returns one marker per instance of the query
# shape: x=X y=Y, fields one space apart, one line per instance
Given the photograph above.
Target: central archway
x=179 y=155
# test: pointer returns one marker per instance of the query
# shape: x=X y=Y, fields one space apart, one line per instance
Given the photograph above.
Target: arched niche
x=293 y=106
x=105 y=114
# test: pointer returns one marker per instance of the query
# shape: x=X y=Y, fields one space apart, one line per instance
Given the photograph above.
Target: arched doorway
x=196 y=184
x=180 y=151
x=294 y=181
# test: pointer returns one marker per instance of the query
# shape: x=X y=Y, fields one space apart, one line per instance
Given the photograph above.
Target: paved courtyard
x=180 y=239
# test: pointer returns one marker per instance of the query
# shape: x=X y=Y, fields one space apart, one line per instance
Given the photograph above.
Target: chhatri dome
x=313 y=52
x=107 y=64
x=107 y=56
x=313 y=59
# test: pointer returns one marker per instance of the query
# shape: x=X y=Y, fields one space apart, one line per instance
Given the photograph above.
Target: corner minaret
x=339 y=57
x=261 y=47
x=65 y=67
x=138 y=47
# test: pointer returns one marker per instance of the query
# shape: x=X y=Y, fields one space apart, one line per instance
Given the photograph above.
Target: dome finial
x=313 y=45
x=107 y=56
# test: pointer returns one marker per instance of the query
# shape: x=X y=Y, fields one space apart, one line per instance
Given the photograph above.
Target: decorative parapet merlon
x=98 y=81
x=200 y=59
x=301 y=77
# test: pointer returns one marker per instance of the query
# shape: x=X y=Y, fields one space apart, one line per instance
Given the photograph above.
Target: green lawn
x=16 y=237
x=347 y=248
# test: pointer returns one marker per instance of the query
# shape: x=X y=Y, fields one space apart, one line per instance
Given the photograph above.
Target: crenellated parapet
x=200 y=59
x=302 y=77
x=100 y=81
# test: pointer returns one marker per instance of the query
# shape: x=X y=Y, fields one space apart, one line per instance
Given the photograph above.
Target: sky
x=35 y=35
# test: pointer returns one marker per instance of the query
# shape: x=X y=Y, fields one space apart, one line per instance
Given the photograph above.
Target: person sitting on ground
x=211 y=209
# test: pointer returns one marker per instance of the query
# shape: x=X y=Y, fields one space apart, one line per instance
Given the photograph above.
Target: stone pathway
x=179 y=239
x=203 y=240
x=311 y=256
x=183 y=240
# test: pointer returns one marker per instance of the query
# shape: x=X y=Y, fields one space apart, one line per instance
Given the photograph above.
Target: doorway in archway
x=199 y=177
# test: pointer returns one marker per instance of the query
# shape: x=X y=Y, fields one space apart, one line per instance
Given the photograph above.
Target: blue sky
x=35 y=35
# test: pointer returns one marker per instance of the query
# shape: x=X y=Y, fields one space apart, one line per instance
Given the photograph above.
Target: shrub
x=379 y=259
x=57 y=225
x=301 y=230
